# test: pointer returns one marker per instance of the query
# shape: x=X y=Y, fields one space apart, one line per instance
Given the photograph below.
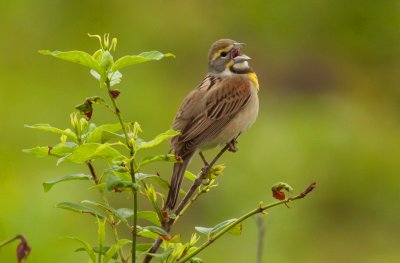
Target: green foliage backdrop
x=328 y=74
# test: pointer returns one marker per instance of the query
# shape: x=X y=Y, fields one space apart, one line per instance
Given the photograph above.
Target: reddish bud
x=114 y=93
x=23 y=249
x=89 y=114
x=165 y=237
x=277 y=190
x=117 y=190
x=165 y=214
x=278 y=194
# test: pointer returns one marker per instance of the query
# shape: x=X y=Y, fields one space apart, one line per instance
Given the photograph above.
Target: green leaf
x=101 y=231
x=80 y=209
x=223 y=224
x=203 y=230
x=60 y=150
x=115 y=183
x=157 y=140
x=106 y=61
x=236 y=230
x=97 y=250
x=101 y=186
x=160 y=181
x=161 y=256
x=136 y=59
x=47 y=127
x=149 y=216
x=148 y=234
x=141 y=176
x=91 y=151
x=125 y=212
x=115 y=78
x=106 y=208
x=157 y=158
x=113 y=249
x=62 y=159
x=159 y=231
x=104 y=133
x=190 y=176
x=143 y=246
x=49 y=184
x=210 y=231
x=89 y=250
x=75 y=56
x=38 y=151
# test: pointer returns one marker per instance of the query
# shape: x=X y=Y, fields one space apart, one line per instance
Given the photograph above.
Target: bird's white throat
x=241 y=66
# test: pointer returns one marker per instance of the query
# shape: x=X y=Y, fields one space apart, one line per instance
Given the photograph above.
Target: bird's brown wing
x=192 y=106
x=213 y=111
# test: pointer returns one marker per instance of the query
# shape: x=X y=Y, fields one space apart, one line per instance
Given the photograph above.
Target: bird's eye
x=223 y=54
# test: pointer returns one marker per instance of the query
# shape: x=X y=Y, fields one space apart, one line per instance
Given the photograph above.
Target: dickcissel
x=215 y=113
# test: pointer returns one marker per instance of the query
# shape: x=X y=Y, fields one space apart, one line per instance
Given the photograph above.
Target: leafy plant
x=122 y=148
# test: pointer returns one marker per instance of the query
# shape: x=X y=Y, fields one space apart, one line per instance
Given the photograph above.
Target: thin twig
x=2 y=244
x=92 y=172
x=180 y=208
x=259 y=209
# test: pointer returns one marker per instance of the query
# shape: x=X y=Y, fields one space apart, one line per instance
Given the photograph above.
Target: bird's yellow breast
x=253 y=77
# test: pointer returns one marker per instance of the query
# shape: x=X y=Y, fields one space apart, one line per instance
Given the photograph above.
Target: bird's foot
x=232 y=146
x=205 y=169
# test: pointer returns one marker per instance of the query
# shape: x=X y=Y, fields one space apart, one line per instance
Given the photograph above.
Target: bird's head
x=225 y=56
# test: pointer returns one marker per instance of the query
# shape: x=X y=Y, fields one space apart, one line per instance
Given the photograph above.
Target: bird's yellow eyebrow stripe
x=216 y=54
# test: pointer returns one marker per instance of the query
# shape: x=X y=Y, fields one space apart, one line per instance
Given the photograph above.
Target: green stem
x=226 y=229
x=100 y=249
x=110 y=216
x=6 y=242
x=132 y=168
x=134 y=230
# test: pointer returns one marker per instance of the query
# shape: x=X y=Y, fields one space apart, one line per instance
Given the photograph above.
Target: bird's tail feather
x=176 y=181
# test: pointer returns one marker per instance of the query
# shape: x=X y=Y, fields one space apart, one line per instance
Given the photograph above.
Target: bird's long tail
x=176 y=181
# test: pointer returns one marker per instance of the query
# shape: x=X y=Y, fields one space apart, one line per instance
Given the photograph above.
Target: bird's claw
x=232 y=146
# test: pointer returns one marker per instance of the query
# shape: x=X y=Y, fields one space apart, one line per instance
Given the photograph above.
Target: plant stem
x=226 y=229
x=8 y=241
x=134 y=230
x=92 y=172
x=131 y=170
x=111 y=217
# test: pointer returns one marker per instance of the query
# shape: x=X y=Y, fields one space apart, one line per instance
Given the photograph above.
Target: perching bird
x=223 y=106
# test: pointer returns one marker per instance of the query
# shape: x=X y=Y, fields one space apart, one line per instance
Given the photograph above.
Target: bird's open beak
x=238 y=45
x=236 y=56
x=241 y=58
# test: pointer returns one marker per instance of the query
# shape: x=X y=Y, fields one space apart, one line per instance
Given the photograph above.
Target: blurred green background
x=329 y=73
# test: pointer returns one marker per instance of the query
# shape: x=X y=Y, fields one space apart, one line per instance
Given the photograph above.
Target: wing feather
x=213 y=112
